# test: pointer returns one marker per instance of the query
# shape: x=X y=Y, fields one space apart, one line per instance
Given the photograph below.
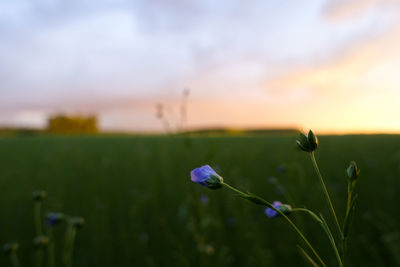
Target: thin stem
x=332 y=240
x=71 y=249
x=67 y=243
x=326 y=229
x=38 y=224
x=235 y=190
x=50 y=247
x=39 y=257
x=284 y=216
x=348 y=210
x=14 y=260
x=326 y=192
x=313 y=215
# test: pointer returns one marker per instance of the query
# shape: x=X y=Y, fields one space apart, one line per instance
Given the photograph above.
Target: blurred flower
x=231 y=221
x=307 y=143
x=10 y=248
x=77 y=222
x=282 y=168
x=39 y=195
x=272 y=180
x=54 y=218
x=284 y=208
x=204 y=199
x=186 y=92
x=159 y=111
x=144 y=238
x=207 y=177
x=209 y=250
x=40 y=241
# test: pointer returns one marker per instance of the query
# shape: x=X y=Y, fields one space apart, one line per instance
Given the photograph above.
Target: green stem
x=38 y=224
x=67 y=243
x=50 y=247
x=284 y=216
x=313 y=215
x=326 y=192
x=332 y=240
x=39 y=257
x=14 y=260
x=71 y=248
x=348 y=210
x=326 y=229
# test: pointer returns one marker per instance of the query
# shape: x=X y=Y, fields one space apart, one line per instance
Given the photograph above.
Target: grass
x=142 y=209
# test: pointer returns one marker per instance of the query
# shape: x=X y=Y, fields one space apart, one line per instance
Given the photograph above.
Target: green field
x=141 y=208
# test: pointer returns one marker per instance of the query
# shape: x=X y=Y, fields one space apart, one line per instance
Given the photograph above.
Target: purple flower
x=204 y=199
x=54 y=218
x=207 y=177
x=279 y=206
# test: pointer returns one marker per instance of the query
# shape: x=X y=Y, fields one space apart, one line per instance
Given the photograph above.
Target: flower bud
x=10 y=248
x=39 y=195
x=40 y=241
x=307 y=143
x=353 y=171
x=284 y=208
x=207 y=177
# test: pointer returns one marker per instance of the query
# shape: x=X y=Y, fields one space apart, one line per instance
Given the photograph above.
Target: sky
x=329 y=65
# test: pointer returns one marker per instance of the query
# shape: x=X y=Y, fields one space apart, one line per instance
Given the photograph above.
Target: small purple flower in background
x=284 y=208
x=204 y=199
x=282 y=168
x=207 y=177
x=54 y=218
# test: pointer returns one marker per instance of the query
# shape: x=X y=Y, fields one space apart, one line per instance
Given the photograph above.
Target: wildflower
x=308 y=143
x=77 y=222
x=54 y=218
x=40 y=241
x=204 y=199
x=207 y=177
x=284 y=208
x=10 y=248
x=282 y=168
x=39 y=195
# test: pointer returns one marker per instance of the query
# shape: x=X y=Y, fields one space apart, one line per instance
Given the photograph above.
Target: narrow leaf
x=307 y=257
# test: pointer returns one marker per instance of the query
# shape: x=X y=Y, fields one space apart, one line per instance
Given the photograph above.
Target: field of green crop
x=141 y=208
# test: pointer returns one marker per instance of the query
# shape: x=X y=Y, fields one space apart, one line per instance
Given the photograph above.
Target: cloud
x=337 y=10
x=122 y=57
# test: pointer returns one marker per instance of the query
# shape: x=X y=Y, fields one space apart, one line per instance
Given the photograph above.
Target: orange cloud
x=343 y=9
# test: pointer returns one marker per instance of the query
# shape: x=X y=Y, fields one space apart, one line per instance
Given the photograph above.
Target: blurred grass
x=142 y=209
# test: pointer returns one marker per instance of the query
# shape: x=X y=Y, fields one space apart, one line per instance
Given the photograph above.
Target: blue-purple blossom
x=207 y=177
x=54 y=218
x=284 y=208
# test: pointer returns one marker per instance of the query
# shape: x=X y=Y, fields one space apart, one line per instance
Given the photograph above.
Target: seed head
x=353 y=171
x=308 y=143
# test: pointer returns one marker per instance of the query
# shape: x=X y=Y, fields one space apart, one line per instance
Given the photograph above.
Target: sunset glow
x=333 y=66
